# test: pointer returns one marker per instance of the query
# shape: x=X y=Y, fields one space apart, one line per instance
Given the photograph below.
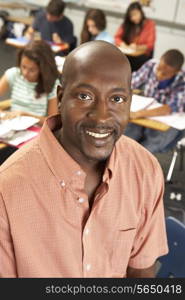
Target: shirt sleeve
x=67 y=34
x=119 y=36
x=37 y=20
x=150 y=35
x=11 y=75
x=7 y=257
x=151 y=239
x=53 y=93
x=176 y=99
x=140 y=77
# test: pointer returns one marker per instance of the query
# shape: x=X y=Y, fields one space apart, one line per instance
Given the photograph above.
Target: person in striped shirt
x=32 y=84
x=164 y=81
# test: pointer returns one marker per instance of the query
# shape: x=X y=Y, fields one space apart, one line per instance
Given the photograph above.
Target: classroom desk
x=130 y=52
x=15 y=5
x=22 y=42
x=24 y=20
x=152 y=124
x=5 y=104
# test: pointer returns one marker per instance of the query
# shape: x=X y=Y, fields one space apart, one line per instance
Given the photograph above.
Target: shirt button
x=81 y=200
x=62 y=183
x=88 y=267
x=87 y=231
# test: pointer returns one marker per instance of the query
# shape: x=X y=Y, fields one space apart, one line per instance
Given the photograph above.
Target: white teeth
x=98 y=135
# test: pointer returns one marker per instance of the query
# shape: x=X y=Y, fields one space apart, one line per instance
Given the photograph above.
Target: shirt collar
x=62 y=165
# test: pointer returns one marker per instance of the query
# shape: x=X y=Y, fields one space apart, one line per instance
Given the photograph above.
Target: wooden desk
x=22 y=42
x=5 y=104
x=152 y=124
x=2 y=145
x=16 y=5
x=131 y=52
x=24 y=20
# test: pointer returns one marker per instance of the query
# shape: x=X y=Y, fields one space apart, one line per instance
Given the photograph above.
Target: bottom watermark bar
x=51 y=288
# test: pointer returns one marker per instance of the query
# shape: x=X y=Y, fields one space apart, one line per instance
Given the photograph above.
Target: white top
x=104 y=36
x=23 y=94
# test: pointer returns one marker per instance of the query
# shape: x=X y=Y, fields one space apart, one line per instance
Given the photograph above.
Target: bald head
x=99 y=55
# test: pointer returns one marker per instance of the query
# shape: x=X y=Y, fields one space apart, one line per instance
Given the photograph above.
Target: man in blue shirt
x=53 y=25
x=165 y=82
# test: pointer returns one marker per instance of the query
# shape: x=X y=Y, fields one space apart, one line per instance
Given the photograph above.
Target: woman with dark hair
x=136 y=36
x=94 y=27
x=33 y=82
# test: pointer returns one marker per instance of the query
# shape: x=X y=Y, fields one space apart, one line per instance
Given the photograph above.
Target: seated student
x=137 y=33
x=53 y=25
x=33 y=82
x=164 y=81
x=94 y=27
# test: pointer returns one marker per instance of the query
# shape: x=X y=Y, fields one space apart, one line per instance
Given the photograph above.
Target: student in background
x=53 y=25
x=94 y=27
x=138 y=34
x=165 y=82
x=32 y=84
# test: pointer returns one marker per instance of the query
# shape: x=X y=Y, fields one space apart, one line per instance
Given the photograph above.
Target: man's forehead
x=96 y=63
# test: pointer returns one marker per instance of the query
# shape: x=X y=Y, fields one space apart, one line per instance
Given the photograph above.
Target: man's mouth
x=98 y=135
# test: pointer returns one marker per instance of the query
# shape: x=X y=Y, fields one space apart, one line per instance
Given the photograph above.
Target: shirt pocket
x=120 y=250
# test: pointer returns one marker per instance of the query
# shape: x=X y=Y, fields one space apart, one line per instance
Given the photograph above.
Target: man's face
x=95 y=109
x=164 y=71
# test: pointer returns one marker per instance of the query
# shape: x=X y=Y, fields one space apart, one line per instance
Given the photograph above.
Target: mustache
x=101 y=126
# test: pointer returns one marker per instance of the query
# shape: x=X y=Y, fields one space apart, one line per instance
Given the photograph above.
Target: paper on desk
x=20 y=137
x=21 y=41
x=23 y=122
x=126 y=50
x=141 y=102
x=175 y=120
x=59 y=62
x=16 y=124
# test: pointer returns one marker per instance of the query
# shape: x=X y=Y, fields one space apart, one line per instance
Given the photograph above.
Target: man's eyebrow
x=85 y=85
x=89 y=86
x=119 y=89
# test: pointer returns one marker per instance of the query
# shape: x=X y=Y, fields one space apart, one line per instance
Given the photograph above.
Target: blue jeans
x=154 y=140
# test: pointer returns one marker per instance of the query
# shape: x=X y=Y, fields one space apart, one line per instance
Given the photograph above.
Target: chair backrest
x=173 y=264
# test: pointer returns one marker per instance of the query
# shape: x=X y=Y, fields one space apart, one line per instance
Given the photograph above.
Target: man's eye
x=118 y=99
x=84 y=97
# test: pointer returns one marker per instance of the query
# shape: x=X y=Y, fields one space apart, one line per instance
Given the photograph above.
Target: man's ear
x=60 y=91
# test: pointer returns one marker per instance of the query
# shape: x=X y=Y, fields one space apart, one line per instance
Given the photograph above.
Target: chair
x=173 y=264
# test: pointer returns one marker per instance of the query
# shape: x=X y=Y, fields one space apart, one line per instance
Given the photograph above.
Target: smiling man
x=82 y=200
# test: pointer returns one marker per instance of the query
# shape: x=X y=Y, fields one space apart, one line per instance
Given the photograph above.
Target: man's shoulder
x=20 y=161
x=66 y=20
x=181 y=77
x=129 y=149
x=40 y=14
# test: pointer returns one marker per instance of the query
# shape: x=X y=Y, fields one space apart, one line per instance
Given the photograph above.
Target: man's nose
x=100 y=112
